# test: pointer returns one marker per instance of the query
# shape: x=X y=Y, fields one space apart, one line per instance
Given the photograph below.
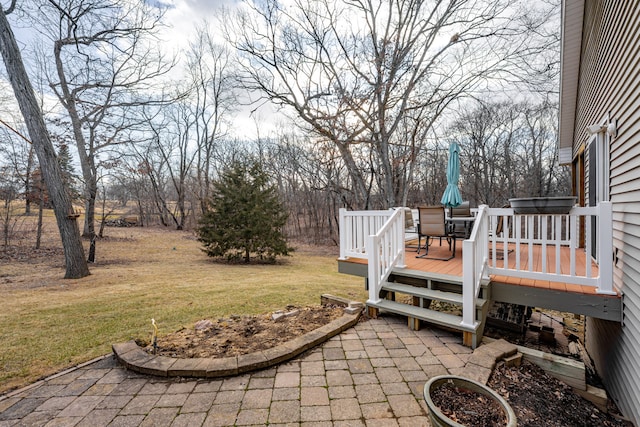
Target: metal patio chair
x=432 y=223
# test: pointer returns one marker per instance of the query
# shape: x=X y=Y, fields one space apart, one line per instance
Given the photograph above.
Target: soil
x=238 y=335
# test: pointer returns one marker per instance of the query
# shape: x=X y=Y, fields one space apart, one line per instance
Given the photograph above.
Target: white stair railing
x=474 y=262
x=377 y=236
x=385 y=250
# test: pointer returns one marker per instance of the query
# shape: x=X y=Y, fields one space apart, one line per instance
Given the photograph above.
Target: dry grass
x=48 y=323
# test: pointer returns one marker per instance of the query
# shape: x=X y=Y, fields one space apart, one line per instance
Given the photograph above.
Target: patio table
x=466 y=221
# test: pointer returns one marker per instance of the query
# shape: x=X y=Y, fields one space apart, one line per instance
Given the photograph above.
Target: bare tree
x=105 y=63
x=149 y=177
x=538 y=152
x=308 y=178
x=18 y=155
x=76 y=264
x=180 y=153
x=8 y=194
x=354 y=72
x=211 y=100
x=509 y=150
x=131 y=182
x=171 y=142
x=484 y=133
x=429 y=177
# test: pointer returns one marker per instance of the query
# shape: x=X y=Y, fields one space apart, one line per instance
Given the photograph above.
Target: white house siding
x=610 y=83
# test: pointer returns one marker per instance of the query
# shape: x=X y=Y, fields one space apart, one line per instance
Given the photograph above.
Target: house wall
x=610 y=83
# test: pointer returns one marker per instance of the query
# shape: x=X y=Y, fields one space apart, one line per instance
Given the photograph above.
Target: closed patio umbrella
x=452 y=197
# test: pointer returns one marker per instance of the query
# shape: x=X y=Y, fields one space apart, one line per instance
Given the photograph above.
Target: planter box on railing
x=543 y=205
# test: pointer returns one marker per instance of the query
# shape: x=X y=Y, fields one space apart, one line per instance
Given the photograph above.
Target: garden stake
x=154 y=337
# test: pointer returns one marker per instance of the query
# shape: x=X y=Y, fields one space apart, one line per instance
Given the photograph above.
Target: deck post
x=468 y=285
x=414 y=323
x=372 y=274
x=469 y=339
x=342 y=228
x=605 y=241
x=400 y=240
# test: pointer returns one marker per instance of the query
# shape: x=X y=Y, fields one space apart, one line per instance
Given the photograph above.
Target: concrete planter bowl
x=543 y=205
x=438 y=419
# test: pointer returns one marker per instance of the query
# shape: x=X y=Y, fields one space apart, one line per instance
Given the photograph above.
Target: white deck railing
x=511 y=252
x=386 y=251
x=488 y=251
x=355 y=227
x=383 y=246
x=378 y=236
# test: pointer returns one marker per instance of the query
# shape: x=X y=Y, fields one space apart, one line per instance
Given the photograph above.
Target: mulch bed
x=539 y=400
x=468 y=407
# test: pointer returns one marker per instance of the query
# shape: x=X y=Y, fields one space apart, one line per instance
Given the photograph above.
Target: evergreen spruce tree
x=244 y=216
x=66 y=167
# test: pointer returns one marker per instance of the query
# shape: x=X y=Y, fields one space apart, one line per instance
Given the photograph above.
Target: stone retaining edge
x=132 y=357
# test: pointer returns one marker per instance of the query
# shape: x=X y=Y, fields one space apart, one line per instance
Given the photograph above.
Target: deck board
x=453 y=267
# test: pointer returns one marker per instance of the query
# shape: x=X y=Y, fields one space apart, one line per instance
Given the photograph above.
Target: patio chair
x=461 y=229
x=408 y=221
x=432 y=223
x=461 y=210
x=410 y=227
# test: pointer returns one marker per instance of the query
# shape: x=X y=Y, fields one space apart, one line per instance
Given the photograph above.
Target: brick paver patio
x=370 y=375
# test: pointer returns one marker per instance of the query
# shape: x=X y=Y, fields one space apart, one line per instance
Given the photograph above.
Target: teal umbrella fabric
x=452 y=197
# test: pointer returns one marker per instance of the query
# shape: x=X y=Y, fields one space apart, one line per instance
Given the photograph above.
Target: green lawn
x=48 y=323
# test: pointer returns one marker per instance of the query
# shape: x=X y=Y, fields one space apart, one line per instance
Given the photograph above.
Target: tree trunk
x=140 y=212
x=90 y=206
x=359 y=188
x=27 y=183
x=85 y=152
x=76 y=264
x=40 y=212
x=92 y=250
x=5 y=222
x=104 y=218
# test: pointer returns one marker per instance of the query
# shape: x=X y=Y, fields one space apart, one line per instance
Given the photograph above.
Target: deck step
x=449 y=297
x=431 y=316
x=436 y=277
x=432 y=277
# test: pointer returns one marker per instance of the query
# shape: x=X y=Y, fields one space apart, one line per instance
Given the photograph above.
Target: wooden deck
x=453 y=267
x=579 y=299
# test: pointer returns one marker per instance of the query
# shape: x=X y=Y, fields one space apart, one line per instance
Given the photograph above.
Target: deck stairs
x=417 y=295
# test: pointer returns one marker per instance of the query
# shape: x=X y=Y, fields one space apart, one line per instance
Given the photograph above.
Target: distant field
x=48 y=323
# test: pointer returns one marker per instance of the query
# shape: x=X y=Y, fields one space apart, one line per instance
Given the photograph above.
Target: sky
x=185 y=15
x=182 y=18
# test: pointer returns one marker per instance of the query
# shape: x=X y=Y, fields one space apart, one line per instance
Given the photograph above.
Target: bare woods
x=364 y=99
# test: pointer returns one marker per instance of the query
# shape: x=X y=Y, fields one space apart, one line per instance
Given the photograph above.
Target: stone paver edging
x=136 y=359
x=484 y=358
